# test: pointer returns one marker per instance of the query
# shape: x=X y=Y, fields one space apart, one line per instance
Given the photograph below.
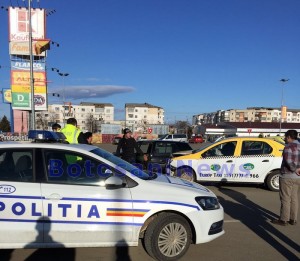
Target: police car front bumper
x=208 y=224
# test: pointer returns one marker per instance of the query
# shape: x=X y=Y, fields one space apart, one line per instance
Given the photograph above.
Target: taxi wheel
x=167 y=237
x=186 y=173
x=272 y=181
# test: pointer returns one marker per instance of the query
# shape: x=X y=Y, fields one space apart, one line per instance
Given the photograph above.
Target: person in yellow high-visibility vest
x=71 y=131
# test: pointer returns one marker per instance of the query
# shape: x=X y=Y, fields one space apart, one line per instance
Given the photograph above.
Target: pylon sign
x=19 y=49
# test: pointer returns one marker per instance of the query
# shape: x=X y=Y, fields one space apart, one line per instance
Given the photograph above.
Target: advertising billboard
x=23 y=78
x=19 y=24
x=22 y=48
x=37 y=66
x=6 y=95
x=283 y=112
x=22 y=101
x=21 y=90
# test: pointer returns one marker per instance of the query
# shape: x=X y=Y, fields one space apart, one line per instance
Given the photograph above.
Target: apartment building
x=139 y=115
x=250 y=114
x=104 y=112
x=89 y=116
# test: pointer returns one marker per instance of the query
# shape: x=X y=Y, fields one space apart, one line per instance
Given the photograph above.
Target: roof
x=264 y=125
x=99 y=105
x=251 y=125
x=147 y=105
x=27 y=144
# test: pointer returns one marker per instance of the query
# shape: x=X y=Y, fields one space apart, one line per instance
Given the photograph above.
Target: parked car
x=78 y=195
x=175 y=137
x=159 y=151
x=196 y=139
x=237 y=159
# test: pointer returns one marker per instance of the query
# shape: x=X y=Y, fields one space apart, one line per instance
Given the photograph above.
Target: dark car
x=159 y=151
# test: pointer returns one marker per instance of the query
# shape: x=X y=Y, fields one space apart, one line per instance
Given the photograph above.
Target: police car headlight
x=208 y=203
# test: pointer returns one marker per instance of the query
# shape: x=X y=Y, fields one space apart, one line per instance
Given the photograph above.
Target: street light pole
x=62 y=75
x=64 y=101
x=280 y=122
x=31 y=69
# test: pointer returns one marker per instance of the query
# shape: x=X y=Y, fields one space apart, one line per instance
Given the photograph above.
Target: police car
x=75 y=195
x=237 y=159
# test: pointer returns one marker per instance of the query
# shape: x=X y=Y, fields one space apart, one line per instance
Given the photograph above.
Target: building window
x=99 y=110
x=82 y=109
x=130 y=115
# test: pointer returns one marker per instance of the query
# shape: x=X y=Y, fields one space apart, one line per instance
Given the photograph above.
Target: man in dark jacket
x=127 y=147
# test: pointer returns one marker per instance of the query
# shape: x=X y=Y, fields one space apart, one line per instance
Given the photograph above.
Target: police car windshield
x=121 y=163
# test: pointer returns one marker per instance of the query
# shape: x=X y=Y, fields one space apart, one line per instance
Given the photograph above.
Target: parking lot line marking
x=232 y=221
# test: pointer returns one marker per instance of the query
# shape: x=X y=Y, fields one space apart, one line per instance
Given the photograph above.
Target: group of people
x=72 y=133
x=126 y=147
x=289 y=180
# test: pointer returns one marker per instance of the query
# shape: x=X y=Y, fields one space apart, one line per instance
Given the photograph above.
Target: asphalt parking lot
x=249 y=235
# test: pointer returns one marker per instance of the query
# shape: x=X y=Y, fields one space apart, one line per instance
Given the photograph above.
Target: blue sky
x=187 y=56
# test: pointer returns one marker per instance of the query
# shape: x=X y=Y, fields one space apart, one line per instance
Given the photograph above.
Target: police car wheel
x=186 y=173
x=273 y=181
x=167 y=237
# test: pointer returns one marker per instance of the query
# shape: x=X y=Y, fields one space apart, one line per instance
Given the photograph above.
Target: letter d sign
x=20 y=98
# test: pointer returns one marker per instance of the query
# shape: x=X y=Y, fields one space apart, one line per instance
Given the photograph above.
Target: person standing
x=71 y=131
x=127 y=147
x=289 y=180
x=56 y=127
x=85 y=138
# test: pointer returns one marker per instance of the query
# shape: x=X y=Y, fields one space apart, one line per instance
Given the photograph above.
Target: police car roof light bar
x=46 y=136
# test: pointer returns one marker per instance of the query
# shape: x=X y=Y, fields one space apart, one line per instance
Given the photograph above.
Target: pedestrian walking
x=289 y=180
x=127 y=147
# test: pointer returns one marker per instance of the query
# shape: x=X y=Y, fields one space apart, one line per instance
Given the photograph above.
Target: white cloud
x=100 y=91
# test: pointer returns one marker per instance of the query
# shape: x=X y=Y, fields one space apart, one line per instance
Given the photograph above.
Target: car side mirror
x=113 y=182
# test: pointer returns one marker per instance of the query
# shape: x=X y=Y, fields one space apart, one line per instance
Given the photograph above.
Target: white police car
x=63 y=195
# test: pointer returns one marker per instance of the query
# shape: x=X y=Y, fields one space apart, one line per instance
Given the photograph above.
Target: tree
x=5 y=124
x=142 y=126
x=91 y=122
x=182 y=126
x=41 y=121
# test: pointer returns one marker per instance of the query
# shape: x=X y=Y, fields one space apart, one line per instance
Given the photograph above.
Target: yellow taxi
x=237 y=159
